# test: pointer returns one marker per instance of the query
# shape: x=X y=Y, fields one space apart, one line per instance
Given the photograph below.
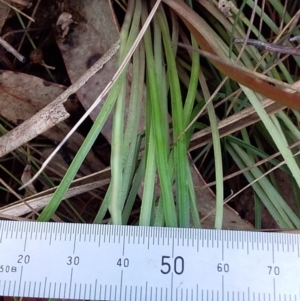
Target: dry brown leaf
x=87 y=42
x=4 y=11
x=23 y=95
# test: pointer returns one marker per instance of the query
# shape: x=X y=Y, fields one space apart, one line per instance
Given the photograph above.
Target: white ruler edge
x=105 y=262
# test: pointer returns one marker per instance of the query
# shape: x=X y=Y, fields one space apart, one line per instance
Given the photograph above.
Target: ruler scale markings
x=65 y=231
x=247 y=236
x=223 y=288
x=47 y=231
x=42 y=230
x=272 y=246
x=110 y=293
x=125 y=293
x=61 y=231
x=298 y=250
x=8 y=231
x=45 y=285
x=180 y=248
x=74 y=241
x=55 y=232
x=151 y=293
x=91 y=233
x=79 y=293
x=161 y=293
x=16 y=231
x=256 y=240
x=222 y=238
x=87 y=233
x=20 y=281
x=29 y=289
x=173 y=238
x=104 y=234
x=192 y=238
x=54 y=290
x=74 y=291
x=242 y=238
x=229 y=239
x=141 y=294
x=100 y=293
x=278 y=241
x=95 y=290
x=145 y=236
x=34 y=287
x=105 y=289
x=135 y=292
x=24 y=289
x=114 y=233
x=20 y=230
x=96 y=231
x=180 y=237
x=123 y=247
x=32 y=232
x=25 y=241
x=294 y=240
x=70 y=283
x=1 y=233
x=80 y=231
x=85 y=293
x=121 y=286
x=139 y=236
x=135 y=234
x=9 y=286
x=109 y=234
x=171 y=291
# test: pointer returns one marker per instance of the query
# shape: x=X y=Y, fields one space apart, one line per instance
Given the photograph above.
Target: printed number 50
x=177 y=266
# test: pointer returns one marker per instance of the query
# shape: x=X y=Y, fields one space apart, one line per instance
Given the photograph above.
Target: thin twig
x=19 y=11
x=12 y=50
x=23 y=2
x=295 y=38
x=268 y=46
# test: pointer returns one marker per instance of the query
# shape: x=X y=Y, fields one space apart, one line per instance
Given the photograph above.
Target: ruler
x=104 y=262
